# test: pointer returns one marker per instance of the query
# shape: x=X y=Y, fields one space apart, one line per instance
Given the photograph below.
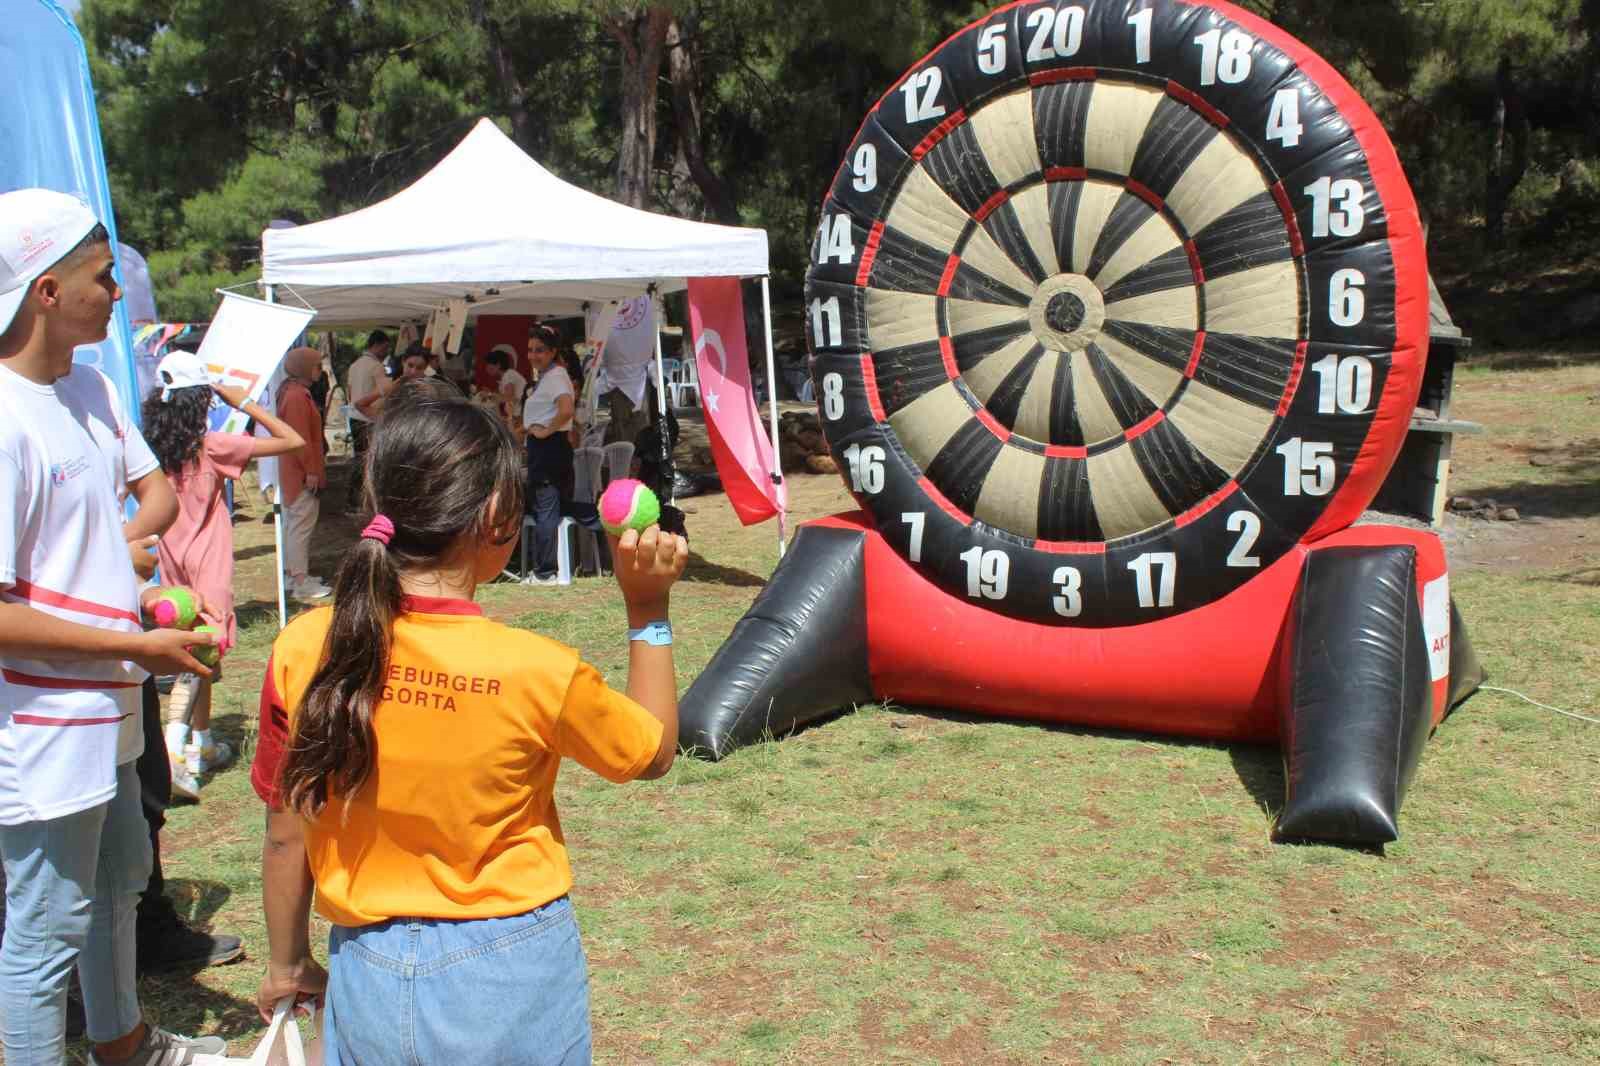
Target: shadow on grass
x=702 y=572
x=255 y=612
x=1571 y=499
x=241 y=554
x=1588 y=575
x=197 y=902
x=179 y=1003
x=1259 y=766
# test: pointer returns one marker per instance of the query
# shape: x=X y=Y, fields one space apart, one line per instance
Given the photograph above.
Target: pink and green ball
x=175 y=609
x=628 y=504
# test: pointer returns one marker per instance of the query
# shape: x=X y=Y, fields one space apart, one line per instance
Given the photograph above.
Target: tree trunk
x=1508 y=162
x=1591 y=74
x=642 y=35
x=682 y=68
x=506 y=73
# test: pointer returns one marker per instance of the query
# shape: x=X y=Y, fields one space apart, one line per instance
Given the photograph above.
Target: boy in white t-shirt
x=73 y=654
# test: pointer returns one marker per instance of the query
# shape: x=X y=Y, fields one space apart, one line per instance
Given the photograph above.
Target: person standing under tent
x=509 y=385
x=74 y=844
x=197 y=551
x=303 y=474
x=546 y=418
x=409 y=753
x=368 y=385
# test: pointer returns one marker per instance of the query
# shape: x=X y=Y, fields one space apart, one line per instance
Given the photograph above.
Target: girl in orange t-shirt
x=408 y=751
x=197 y=550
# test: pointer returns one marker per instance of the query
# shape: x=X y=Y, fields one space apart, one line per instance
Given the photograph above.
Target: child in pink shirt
x=197 y=551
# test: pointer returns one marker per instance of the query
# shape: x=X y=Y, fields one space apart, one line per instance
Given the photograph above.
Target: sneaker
x=167 y=942
x=161 y=1048
x=310 y=589
x=185 y=785
x=542 y=579
x=212 y=759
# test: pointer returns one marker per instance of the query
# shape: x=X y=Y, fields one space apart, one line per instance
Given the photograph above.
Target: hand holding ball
x=209 y=655
x=175 y=608
x=628 y=504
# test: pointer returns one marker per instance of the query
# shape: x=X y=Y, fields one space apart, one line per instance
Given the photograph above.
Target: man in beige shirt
x=368 y=385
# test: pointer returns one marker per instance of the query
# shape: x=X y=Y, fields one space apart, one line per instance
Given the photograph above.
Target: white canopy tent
x=490 y=226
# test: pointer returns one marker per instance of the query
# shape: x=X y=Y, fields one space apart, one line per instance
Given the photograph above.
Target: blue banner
x=51 y=133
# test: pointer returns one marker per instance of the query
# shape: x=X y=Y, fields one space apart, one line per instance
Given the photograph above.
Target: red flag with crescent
x=739 y=442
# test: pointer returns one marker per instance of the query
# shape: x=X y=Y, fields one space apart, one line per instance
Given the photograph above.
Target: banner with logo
x=739 y=442
x=245 y=346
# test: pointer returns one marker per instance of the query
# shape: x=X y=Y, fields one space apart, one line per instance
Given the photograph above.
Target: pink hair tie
x=379 y=529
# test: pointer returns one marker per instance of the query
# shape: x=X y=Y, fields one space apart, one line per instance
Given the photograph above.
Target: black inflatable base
x=1361 y=697
x=1354 y=720
x=798 y=655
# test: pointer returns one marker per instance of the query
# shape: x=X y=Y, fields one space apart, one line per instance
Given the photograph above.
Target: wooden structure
x=1418 y=485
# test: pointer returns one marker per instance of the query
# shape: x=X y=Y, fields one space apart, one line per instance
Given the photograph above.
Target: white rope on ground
x=1536 y=703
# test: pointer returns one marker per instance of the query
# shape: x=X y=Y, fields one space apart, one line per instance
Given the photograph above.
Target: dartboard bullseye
x=1102 y=309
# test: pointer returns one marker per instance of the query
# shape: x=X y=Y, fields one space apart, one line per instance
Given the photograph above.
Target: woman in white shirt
x=546 y=417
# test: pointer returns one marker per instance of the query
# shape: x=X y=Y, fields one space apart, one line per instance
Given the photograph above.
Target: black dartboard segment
x=1103 y=307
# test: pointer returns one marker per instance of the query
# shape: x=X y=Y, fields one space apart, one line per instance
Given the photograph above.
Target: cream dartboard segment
x=1111 y=304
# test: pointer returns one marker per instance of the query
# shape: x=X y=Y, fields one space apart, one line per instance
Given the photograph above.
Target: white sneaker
x=185 y=783
x=310 y=589
x=161 y=1048
x=218 y=756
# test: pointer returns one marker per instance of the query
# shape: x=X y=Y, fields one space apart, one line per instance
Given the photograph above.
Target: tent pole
x=661 y=391
x=277 y=523
x=772 y=403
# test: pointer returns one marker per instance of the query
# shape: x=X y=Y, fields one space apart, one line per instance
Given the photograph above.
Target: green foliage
x=219 y=116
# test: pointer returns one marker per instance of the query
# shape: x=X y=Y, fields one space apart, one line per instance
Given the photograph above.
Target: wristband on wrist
x=657 y=634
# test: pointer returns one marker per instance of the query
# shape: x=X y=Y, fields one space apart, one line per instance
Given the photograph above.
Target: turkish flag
x=739 y=443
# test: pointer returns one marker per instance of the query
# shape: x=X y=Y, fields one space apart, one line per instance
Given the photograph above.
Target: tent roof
x=490 y=224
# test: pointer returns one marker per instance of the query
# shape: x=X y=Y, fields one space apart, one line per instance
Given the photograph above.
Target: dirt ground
x=1540 y=458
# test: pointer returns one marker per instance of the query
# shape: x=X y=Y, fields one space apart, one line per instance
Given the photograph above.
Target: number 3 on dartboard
x=1068 y=600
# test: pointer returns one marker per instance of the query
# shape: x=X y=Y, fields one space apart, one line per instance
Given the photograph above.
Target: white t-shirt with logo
x=67 y=454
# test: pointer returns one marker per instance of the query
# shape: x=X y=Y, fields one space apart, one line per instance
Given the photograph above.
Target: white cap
x=181 y=370
x=38 y=227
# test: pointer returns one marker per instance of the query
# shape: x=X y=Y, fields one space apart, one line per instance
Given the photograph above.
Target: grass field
x=911 y=886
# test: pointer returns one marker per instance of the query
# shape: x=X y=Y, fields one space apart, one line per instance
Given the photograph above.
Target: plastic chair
x=685 y=380
x=619 y=460
x=587 y=464
x=564 y=542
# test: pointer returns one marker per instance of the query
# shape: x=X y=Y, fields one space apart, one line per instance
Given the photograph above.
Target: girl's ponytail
x=334 y=745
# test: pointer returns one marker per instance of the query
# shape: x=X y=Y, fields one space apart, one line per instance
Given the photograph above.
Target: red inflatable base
x=1218 y=672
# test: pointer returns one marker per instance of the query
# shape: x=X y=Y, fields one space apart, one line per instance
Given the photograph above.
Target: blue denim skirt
x=431 y=992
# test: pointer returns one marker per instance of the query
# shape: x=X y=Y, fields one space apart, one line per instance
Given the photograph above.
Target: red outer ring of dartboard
x=1407 y=249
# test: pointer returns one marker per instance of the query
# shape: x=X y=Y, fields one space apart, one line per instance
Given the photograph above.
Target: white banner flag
x=245 y=344
x=629 y=347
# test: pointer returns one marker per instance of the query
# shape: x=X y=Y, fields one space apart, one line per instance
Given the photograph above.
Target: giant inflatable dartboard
x=1118 y=313
x=1113 y=303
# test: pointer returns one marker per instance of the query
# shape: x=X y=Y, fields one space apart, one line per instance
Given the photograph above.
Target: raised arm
x=284 y=439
